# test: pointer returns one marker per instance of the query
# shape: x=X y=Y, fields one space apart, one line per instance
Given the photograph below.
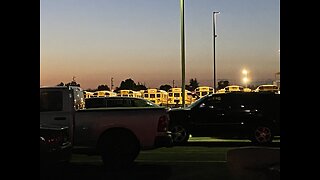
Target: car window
x=51 y=101
x=119 y=103
x=95 y=102
x=212 y=102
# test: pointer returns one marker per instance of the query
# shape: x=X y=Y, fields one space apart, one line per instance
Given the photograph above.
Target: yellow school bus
x=233 y=88
x=136 y=94
x=103 y=93
x=175 y=97
x=221 y=91
x=88 y=94
x=129 y=93
x=125 y=93
x=159 y=97
x=203 y=90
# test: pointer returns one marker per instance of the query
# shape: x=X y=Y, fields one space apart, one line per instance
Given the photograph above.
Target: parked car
x=98 y=102
x=55 y=144
x=250 y=115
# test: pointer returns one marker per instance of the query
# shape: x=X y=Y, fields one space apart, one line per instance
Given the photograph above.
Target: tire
x=262 y=135
x=180 y=134
x=118 y=149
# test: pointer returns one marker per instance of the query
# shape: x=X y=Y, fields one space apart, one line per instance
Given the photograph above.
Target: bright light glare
x=244 y=72
x=245 y=79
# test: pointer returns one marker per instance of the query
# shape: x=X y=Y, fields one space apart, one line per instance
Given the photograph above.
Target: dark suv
x=250 y=115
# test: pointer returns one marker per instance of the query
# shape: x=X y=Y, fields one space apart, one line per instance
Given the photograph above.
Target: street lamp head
x=245 y=72
x=216 y=12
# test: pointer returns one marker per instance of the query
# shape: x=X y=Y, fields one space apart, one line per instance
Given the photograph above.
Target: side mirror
x=202 y=105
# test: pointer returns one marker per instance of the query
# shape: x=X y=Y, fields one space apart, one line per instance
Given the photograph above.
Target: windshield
x=194 y=104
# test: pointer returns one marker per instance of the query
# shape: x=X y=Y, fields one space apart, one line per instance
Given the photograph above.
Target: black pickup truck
x=249 y=115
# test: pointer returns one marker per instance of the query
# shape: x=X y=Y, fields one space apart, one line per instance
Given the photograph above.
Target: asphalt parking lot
x=202 y=159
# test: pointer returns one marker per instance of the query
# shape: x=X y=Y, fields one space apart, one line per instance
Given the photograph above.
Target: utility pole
x=182 y=51
x=214 y=50
x=112 y=84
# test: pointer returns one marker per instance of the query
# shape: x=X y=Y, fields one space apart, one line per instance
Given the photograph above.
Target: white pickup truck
x=117 y=134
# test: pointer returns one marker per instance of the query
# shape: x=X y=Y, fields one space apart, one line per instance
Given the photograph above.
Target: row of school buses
x=161 y=97
x=171 y=98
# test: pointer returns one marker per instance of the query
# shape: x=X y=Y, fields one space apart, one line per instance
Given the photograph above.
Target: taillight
x=163 y=123
x=54 y=140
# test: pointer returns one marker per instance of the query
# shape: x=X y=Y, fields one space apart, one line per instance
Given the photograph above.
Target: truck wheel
x=262 y=135
x=118 y=149
x=180 y=135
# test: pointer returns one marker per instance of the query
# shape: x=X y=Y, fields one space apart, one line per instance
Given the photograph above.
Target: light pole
x=245 y=79
x=214 y=49
x=182 y=51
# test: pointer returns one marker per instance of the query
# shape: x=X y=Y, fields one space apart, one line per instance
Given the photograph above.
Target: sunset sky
x=95 y=41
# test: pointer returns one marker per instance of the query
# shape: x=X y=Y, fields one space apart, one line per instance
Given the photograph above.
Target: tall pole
x=245 y=79
x=214 y=50
x=182 y=51
x=112 y=84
